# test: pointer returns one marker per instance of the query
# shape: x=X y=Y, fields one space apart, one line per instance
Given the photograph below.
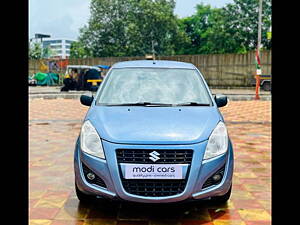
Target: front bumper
x=108 y=171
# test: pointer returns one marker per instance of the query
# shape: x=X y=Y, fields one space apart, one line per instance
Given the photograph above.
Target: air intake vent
x=212 y=181
x=96 y=180
x=154 y=188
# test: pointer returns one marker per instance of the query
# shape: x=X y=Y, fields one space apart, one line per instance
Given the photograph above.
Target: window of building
x=69 y=42
x=52 y=42
x=56 y=46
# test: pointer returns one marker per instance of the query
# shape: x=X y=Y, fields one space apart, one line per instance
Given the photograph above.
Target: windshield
x=153 y=85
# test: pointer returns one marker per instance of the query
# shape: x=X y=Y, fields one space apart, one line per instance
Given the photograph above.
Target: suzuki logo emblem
x=154 y=156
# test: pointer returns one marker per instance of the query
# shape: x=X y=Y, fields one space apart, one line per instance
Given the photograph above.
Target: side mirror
x=221 y=100
x=86 y=100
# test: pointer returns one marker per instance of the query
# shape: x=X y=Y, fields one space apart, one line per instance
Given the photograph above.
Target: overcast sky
x=63 y=18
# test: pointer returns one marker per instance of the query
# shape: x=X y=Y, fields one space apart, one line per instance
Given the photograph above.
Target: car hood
x=154 y=125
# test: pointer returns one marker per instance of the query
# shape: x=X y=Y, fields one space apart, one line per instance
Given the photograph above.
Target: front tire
x=266 y=86
x=64 y=88
x=223 y=198
x=82 y=196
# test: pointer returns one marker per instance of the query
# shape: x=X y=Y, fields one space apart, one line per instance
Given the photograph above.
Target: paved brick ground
x=54 y=127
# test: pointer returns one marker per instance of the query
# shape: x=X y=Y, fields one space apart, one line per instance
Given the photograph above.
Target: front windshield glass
x=154 y=85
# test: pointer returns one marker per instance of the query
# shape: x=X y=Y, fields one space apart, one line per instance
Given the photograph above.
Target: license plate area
x=154 y=171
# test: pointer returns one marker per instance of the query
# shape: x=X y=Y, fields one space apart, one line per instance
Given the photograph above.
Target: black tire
x=82 y=196
x=223 y=198
x=64 y=89
x=266 y=86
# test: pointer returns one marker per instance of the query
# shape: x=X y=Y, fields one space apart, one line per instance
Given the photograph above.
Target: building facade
x=58 y=47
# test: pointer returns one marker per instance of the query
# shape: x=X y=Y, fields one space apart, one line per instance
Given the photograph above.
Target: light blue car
x=153 y=134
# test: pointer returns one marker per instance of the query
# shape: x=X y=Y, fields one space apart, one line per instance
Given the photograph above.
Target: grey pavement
x=235 y=94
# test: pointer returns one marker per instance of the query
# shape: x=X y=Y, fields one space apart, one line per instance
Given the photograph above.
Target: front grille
x=97 y=180
x=210 y=181
x=154 y=188
x=167 y=156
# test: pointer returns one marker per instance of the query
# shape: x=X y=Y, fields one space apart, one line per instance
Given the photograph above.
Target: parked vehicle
x=153 y=134
x=82 y=77
x=265 y=82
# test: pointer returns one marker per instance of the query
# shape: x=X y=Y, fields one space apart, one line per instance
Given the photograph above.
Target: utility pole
x=259 y=24
x=258 y=66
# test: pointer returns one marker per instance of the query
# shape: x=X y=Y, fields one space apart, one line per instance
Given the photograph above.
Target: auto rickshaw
x=83 y=77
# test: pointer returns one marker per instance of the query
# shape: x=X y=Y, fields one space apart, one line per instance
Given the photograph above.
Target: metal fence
x=219 y=70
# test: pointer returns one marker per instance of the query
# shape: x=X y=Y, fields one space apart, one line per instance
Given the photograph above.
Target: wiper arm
x=140 y=104
x=193 y=104
x=158 y=104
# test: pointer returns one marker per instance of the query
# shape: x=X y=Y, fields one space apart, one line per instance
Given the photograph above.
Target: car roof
x=154 y=64
x=82 y=67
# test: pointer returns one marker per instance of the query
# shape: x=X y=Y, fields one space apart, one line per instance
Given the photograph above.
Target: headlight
x=90 y=141
x=217 y=142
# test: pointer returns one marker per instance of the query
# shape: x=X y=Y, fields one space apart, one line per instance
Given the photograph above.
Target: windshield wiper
x=158 y=104
x=140 y=104
x=193 y=104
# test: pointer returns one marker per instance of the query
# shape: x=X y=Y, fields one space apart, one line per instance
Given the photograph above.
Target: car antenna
x=153 y=52
x=151 y=56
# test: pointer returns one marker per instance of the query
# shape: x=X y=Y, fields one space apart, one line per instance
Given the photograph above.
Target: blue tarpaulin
x=103 y=66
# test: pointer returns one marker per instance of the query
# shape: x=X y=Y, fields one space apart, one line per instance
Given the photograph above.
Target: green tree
x=231 y=29
x=77 y=50
x=48 y=52
x=154 y=22
x=241 y=22
x=219 y=39
x=200 y=27
x=131 y=27
x=104 y=35
x=35 y=51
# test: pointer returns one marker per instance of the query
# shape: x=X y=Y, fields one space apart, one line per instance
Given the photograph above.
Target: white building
x=59 y=47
